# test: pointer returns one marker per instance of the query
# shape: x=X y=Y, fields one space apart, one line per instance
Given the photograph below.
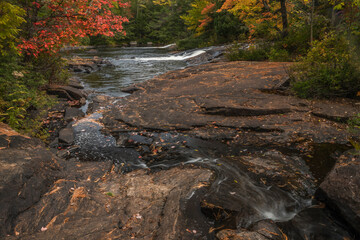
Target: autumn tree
x=254 y=13
x=53 y=24
x=198 y=16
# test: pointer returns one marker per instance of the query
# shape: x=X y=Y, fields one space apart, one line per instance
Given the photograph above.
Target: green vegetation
x=21 y=96
x=11 y=17
x=110 y=194
x=258 y=52
x=330 y=69
x=31 y=35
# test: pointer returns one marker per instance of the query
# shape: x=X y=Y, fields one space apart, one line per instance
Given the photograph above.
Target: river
x=130 y=66
x=233 y=187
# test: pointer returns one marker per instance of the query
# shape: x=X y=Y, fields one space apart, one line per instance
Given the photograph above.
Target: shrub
x=329 y=70
x=189 y=43
x=354 y=129
x=278 y=55
x=19 y=94
x=239 y=52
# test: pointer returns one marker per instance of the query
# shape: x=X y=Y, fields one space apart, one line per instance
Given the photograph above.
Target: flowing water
x=241 y=194
x=132 y=65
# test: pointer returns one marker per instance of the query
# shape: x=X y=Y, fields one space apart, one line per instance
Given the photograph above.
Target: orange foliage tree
x=255 y=13
x=53 y=24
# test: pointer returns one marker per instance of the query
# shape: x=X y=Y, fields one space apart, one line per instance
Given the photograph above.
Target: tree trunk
x=284 y=18
x=312 y=22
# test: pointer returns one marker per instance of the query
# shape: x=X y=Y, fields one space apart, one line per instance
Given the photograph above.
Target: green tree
x=11 y=17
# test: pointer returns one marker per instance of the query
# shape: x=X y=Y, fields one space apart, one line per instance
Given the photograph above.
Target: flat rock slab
x=337 y=112
x=27 y=169
x=231 y=94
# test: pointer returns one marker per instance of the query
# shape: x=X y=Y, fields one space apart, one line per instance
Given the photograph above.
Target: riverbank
x=233 y=118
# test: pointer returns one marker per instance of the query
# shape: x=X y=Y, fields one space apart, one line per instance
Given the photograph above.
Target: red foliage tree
x=51 y=24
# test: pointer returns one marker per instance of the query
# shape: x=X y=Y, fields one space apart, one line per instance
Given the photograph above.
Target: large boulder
x=67 y=136
x=27 y=170
x=72 y=113
x=100 y=205
x=341 y=189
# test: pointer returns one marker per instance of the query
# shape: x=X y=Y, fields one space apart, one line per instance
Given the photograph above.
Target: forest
x=321 y=35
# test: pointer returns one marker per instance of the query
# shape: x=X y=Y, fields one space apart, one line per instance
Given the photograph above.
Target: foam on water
x=170 y=58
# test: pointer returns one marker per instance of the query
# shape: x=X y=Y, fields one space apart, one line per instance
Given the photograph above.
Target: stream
x=239 y=195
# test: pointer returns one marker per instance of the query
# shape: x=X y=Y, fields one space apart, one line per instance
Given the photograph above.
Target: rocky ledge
x=217 y=151
x=236 y=96
x=341 y=189
x=86 y=65
x=242 y=114
x=45 y=197
x=27 y=171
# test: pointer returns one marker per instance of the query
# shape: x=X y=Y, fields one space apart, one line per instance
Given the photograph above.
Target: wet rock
x=135 y=205
x=234 y=235
x=131 y=89
x=210 y=55
x=86 y=65
x=27 y=170
x=72 y=113
x=66 y=135
x=315 y=222
x=122 y=140
x=68 y=92
x=101 y=98
x=139 y=140
x=289 y=173
x=75 y=83
x=341 y=189
x=93 y=51
x=268 y=229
